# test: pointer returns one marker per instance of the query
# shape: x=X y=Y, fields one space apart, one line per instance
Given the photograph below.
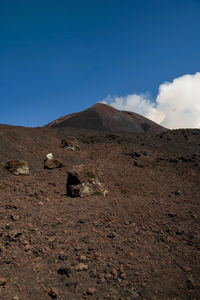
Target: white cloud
x=177 y=104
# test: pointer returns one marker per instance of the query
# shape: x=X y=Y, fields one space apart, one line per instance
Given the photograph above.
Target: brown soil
x=142 y=241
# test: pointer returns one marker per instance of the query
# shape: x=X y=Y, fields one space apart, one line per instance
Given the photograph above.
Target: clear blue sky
x=60 y=56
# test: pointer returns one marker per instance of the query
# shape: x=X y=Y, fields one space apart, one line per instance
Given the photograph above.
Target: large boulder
x=85 y=180
x=70 y=142
x=17 y=167
x=52 y=163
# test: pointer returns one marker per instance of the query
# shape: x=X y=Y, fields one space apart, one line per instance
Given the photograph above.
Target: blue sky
x=58 y=57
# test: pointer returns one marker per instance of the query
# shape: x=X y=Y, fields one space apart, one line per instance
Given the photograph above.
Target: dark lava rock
x=64 y=271
x=190 y=283
x=85 y=180
x=70 y=142
x=178 y=192
x=17 y=167
x=137 y=164
x=52 y=163
x=53 y=293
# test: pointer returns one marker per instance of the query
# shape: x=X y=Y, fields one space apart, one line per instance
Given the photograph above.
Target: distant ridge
x=102 y=117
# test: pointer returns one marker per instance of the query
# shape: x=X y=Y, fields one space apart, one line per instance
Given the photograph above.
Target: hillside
x=139 y=242
x=103 y=117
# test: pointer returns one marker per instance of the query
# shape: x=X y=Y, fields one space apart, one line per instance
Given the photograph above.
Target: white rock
x=50 y=156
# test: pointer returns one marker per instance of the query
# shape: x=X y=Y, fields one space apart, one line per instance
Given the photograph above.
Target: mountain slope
x=140 y=242
x=103 y=117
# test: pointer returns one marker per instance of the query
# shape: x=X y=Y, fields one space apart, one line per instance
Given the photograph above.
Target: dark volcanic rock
x=17 y=167
x=85 y=180
x=53 y=293
x=52 y=163
x=70 y=142
x=65 y=271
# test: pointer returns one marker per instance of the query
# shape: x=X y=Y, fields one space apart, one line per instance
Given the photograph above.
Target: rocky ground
x=141 y=241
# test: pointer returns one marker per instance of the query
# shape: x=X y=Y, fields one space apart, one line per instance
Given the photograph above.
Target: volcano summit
x=102 y=117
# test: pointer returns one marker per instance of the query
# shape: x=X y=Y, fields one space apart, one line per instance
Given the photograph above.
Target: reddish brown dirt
x=140 y=242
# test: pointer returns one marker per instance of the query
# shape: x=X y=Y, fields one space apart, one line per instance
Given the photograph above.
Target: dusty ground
x=140 y=242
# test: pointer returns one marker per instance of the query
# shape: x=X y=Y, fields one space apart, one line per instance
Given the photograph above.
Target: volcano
x=136 y=237
x=102 y=117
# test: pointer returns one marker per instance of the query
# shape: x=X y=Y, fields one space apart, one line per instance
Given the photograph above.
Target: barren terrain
x=142 y=241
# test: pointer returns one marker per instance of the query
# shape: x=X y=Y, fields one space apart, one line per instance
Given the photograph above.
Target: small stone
x=49 y=156
x=172 y=214
x=81 y=267
x=127 y=223
x=97 y=255
x=93 y=273
x=77 y=247
x=25 y=242
x=133 y=293
x=137 y=164
x=2 y=281
x=186 y=269
x=82 y=258
x=16 y=297
x=143 y=284
x=27 y=247
x=101 y=278
x=123 y=275
x=114 y=272
x=14 y=218
x=69 y=283
x=121 y=269
x=53 y=293
x=53 y=163
x=47 y=199
x=108 y=276
x=179 y=231
x=91 y=291
x=178 y=192
x=81 y=221
x=111 y=235
x=62 y=257
x=113 y=293
x=2 y=186
x=190 y=283
x=65 y=271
